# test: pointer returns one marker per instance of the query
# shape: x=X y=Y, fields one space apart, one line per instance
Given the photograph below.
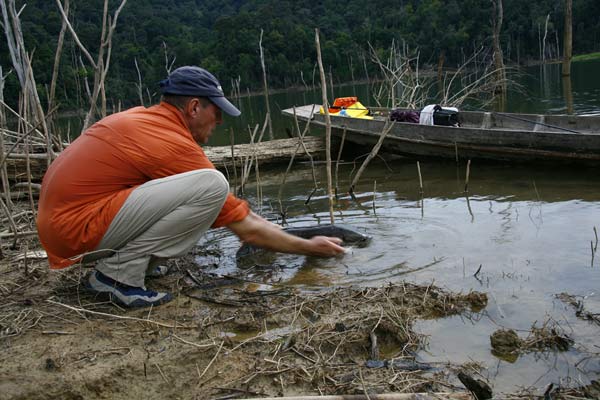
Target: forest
x=153 y=36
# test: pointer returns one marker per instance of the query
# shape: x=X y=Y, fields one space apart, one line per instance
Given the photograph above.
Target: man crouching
x=136 y=189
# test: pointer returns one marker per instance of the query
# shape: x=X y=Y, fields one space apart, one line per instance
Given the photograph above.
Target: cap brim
x=226 y=106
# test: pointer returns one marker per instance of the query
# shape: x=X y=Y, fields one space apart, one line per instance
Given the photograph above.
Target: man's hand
x=324 y=246
x=259 y=232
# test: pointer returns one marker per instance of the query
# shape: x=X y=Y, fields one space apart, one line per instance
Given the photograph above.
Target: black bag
x=445 y=117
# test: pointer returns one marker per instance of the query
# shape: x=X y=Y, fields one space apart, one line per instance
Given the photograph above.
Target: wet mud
x=223 y=337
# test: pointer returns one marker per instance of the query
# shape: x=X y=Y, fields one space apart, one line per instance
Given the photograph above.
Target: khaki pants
x=162 y=218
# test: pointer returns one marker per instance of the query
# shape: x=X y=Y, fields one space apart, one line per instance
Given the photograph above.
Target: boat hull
x=566 y=139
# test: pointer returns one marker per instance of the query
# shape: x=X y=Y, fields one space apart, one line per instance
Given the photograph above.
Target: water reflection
x=568 y=93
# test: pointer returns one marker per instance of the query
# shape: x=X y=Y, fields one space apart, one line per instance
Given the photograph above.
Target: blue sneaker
x=126 y=295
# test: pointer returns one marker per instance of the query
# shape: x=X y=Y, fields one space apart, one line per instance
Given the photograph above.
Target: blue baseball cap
x=196 y=81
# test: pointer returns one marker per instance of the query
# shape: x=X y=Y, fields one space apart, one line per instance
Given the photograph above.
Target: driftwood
x=274 y=151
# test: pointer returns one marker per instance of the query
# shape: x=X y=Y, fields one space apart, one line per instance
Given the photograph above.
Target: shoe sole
x=140 y=303
x=105 y=290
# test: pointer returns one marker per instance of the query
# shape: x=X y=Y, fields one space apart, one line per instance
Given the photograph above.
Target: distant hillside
x=223 y=37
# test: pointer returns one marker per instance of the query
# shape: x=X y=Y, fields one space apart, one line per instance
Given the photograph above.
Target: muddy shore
x=221 y=338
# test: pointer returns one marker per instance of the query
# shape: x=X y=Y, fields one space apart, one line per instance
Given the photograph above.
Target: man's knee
x=216 y=181
x=207 y=186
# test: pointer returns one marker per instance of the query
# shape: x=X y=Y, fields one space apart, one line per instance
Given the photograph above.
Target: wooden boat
x=481 y=135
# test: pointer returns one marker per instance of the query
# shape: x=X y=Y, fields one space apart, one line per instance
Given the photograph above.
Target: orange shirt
x=87 y=184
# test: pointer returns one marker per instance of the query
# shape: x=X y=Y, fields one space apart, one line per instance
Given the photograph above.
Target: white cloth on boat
x=426 y=116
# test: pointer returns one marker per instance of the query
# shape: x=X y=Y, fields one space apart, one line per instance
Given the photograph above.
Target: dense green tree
x=223 y=37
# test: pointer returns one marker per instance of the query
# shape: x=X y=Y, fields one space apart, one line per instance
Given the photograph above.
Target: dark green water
x=530 y=229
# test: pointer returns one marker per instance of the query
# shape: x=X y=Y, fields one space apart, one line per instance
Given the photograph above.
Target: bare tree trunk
x=518 y=49
x=327 y=125
x=59 y=48
x=55 y=68
x=544 y=39
x=22 y=66
x=500 y=89
x=139 y=84
x=440 y=70
x=168 y=62
x=540 y=41
x=3 y=171
x=12 y=41
x=303 y=81
x=557 y=54
x=568 y=39
x=102 y=62
x=264 y=70
x=331 y=83
x=364 y=57
x=28 y=170
x=351 y=68
x=440 y=67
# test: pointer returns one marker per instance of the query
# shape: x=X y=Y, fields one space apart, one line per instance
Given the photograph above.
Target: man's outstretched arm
x=259 y=232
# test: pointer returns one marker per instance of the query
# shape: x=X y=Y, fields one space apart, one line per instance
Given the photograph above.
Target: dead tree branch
x=386 y=129
x=327 y=125
x=102 y=62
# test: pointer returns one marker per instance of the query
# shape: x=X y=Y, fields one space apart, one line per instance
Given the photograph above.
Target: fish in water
x=349 y=237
